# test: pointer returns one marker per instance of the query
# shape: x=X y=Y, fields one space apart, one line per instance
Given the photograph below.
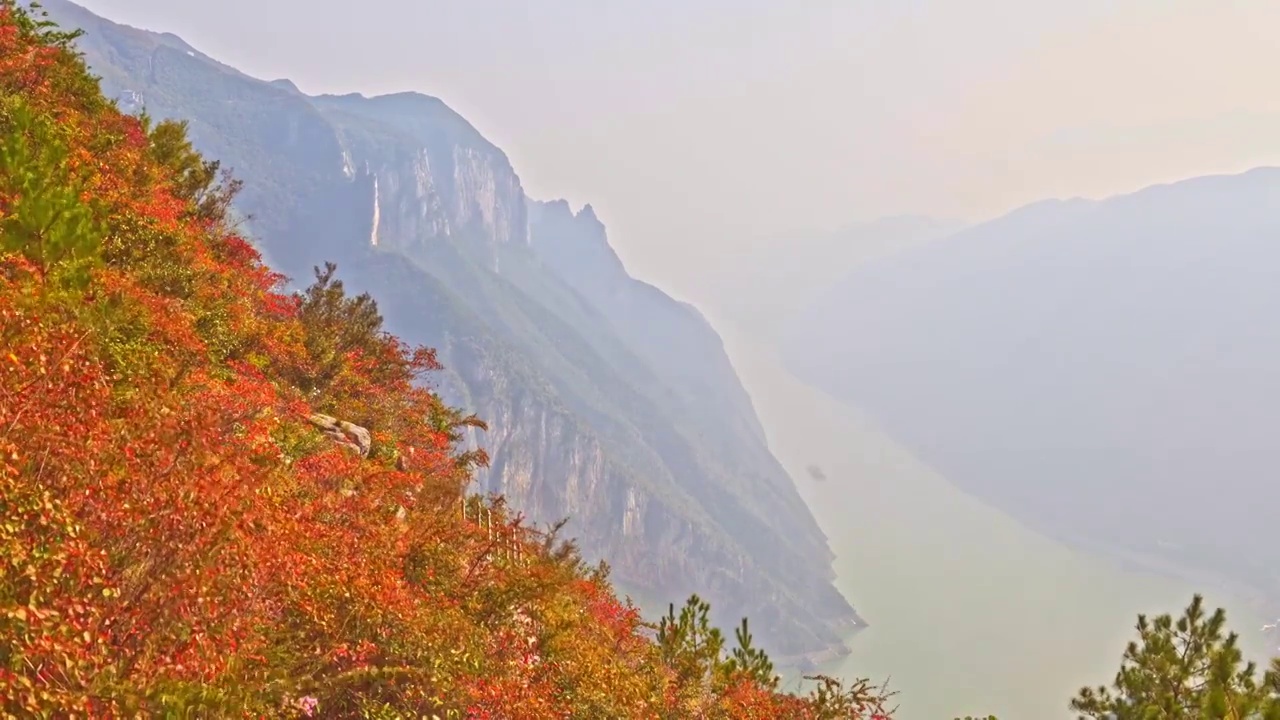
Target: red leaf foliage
x=177 y=536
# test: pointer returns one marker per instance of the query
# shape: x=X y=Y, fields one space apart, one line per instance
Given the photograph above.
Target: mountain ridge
x=416 y=207
x=1137 y=365
x=219 y=498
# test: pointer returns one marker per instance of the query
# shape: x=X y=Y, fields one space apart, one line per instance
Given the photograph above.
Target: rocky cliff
x=607 y=401
x=709 y=403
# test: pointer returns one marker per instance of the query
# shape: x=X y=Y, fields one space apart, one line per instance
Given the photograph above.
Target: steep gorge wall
x=552 y=463
x=550 y=467
x=420 y=210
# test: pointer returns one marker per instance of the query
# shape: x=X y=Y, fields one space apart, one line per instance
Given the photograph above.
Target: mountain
x=610 y=404
x=222 y=499
x=766 y=280
x=1104 y=370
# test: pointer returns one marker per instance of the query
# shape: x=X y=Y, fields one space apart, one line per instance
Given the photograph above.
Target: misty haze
x=497 y=359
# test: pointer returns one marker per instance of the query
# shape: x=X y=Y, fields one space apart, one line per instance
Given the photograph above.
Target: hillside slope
x=1105 y=371
x=586 y=420
x=221 y=500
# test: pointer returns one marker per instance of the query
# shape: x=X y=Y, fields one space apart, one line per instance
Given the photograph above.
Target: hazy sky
x=690 y=123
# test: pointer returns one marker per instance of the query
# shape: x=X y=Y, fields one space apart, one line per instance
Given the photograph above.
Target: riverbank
x=968 y=610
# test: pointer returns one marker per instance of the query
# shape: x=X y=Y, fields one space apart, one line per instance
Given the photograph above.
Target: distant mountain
x=608 y=402
x=765 y=281
x=1107 y=371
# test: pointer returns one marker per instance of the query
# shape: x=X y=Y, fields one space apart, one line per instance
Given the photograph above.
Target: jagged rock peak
x=559 y=211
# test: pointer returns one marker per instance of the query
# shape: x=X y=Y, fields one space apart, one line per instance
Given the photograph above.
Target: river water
x=970 y=612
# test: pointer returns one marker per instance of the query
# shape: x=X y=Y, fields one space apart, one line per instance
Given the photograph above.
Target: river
x=970 y=612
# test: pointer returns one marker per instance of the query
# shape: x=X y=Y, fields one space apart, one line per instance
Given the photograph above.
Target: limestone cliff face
x=709 y=402
x=550 y=466
x=607 y=401
x=431 y=173
x=672 y=336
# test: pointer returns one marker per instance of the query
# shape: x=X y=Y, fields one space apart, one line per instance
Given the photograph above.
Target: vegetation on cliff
x=180 y=534
x=570 y=382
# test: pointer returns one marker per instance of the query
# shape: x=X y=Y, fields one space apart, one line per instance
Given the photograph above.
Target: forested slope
x=219 y=499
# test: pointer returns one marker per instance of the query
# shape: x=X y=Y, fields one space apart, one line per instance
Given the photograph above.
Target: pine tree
x=208 y=187
x=1188 y=669
x=337 y=324
x=750 y=661
x=42 y=215
x=689 y=643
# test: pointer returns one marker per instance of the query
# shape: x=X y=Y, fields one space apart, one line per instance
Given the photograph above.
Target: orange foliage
x=176 y=537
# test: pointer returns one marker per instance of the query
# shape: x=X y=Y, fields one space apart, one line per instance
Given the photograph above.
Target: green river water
x=969 y=611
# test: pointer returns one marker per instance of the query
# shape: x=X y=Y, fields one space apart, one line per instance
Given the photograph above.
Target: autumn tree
x=177 y=538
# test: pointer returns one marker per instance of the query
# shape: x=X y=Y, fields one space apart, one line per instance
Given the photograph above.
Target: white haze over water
x=970 y=611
